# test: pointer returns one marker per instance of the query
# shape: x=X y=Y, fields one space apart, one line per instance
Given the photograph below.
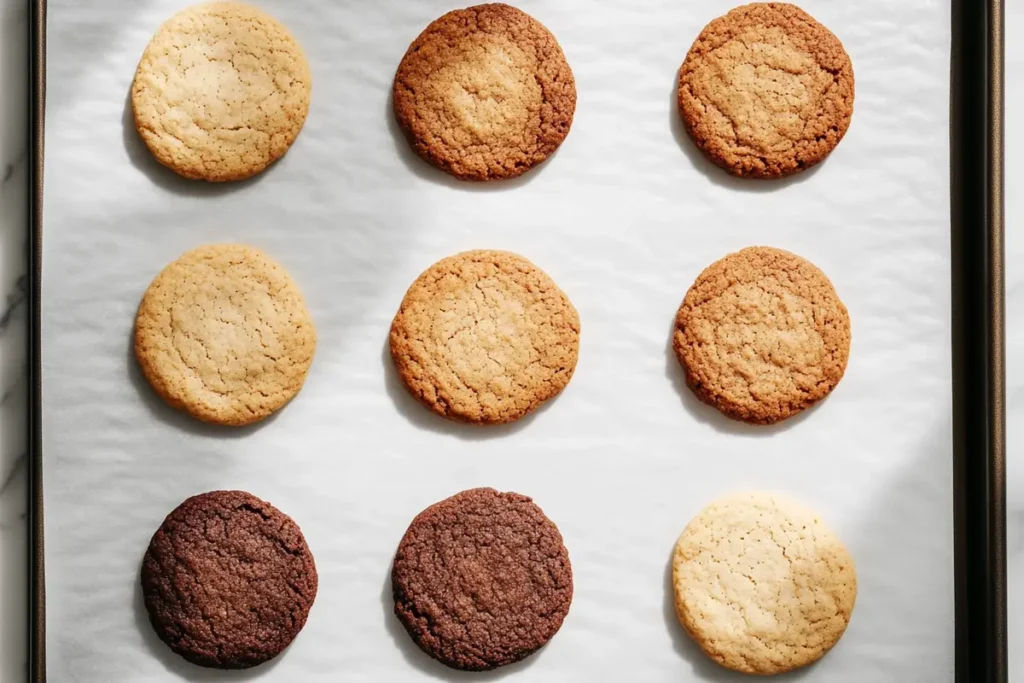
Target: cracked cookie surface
x=482 y=579
x=221 y=92
x=485 y=93
x=766 y=91
x=228 y=580
x=762 y=335
x=485 y=337
x=761 y=584
x=223 y=333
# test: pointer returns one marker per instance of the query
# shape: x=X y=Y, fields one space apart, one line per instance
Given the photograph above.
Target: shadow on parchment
x=704 y=668
x=902 y=623
x=178 y=666
x=161 y=411
x=424 y=418
x=141 y=158
x=425 y=664
x=708 y=415
x=425 y=171
x=719 y=176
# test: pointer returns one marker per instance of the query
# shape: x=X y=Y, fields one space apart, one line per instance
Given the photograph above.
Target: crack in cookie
x=761 y=584
x=485 y=337
x=766 y=91
x=485 y=93
x=223 y=333
x=221 y=92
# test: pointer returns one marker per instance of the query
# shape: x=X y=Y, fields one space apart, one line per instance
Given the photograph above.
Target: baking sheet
x=623 y=217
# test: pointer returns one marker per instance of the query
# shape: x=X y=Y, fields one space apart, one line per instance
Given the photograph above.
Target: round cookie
x=485 y=337
x=482 y=580
x=221 y=92
x=762 y=335
x=223 y=333
x=766 y=91
x=762 y=585
x=228 y=580
x=485 y=93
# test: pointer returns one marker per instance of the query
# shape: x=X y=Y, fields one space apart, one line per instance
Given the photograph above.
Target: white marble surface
x=13 y=488
x=12 y=327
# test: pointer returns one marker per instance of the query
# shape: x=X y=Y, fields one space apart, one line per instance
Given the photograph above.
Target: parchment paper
x=624 y=218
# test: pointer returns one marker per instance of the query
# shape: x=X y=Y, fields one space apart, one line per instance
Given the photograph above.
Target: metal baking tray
x=976 y=241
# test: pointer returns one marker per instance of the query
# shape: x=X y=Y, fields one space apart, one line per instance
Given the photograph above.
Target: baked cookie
x=485 y=93
x=482 y=580
x=485 y=337
x=766 y=91
x=762 y=335
x=762 y=585
x=221 y=92
x=228 y=580
x=223 y=334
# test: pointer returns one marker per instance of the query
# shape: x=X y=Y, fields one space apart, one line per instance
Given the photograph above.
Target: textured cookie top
x=482 y=579
x=221 y=92
x=223 y=333
x=485 y=93
x=228 y=580
x=485 y=337
x=762 y=585
x=766 y=91
x=762 y=335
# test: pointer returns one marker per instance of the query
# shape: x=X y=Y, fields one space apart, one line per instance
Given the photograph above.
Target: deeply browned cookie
x=762 y=335
x=228 y=580
x=485 y=337
x=482 y=580
x=766 y=91
x=485 y=93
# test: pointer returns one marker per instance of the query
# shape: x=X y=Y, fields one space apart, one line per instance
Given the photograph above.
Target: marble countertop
x=13 y=482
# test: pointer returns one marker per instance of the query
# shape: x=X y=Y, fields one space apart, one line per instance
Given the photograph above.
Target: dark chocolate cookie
x=482 y=580
x=228 y=580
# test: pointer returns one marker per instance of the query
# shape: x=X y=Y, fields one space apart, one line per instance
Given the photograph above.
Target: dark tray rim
x=976 y=174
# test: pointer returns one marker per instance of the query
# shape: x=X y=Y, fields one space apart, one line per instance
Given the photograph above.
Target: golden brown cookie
x=223 y=333
x=485 y=337
x=485 y=93
x=766 y=91
x=762 y=335
x=221 y=92
x=762 y=585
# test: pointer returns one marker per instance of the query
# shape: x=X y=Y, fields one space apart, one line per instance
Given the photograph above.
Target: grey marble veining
x=13 y=242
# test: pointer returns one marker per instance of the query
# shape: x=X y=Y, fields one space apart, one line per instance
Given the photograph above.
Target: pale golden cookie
x=766 y=90
x=221 y=92
x=485 y=337
x=223 y=333
x=762 y=585
x=762 y=335
x=485 y=93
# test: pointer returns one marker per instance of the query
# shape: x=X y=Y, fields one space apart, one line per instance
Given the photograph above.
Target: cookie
x=223 y=333
x=482 y=580
x=228 y=580
x=766 y=91
x=762 y=585
x=762 y=335
x=221 y=92
x=485 y=337
x=485 y=93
